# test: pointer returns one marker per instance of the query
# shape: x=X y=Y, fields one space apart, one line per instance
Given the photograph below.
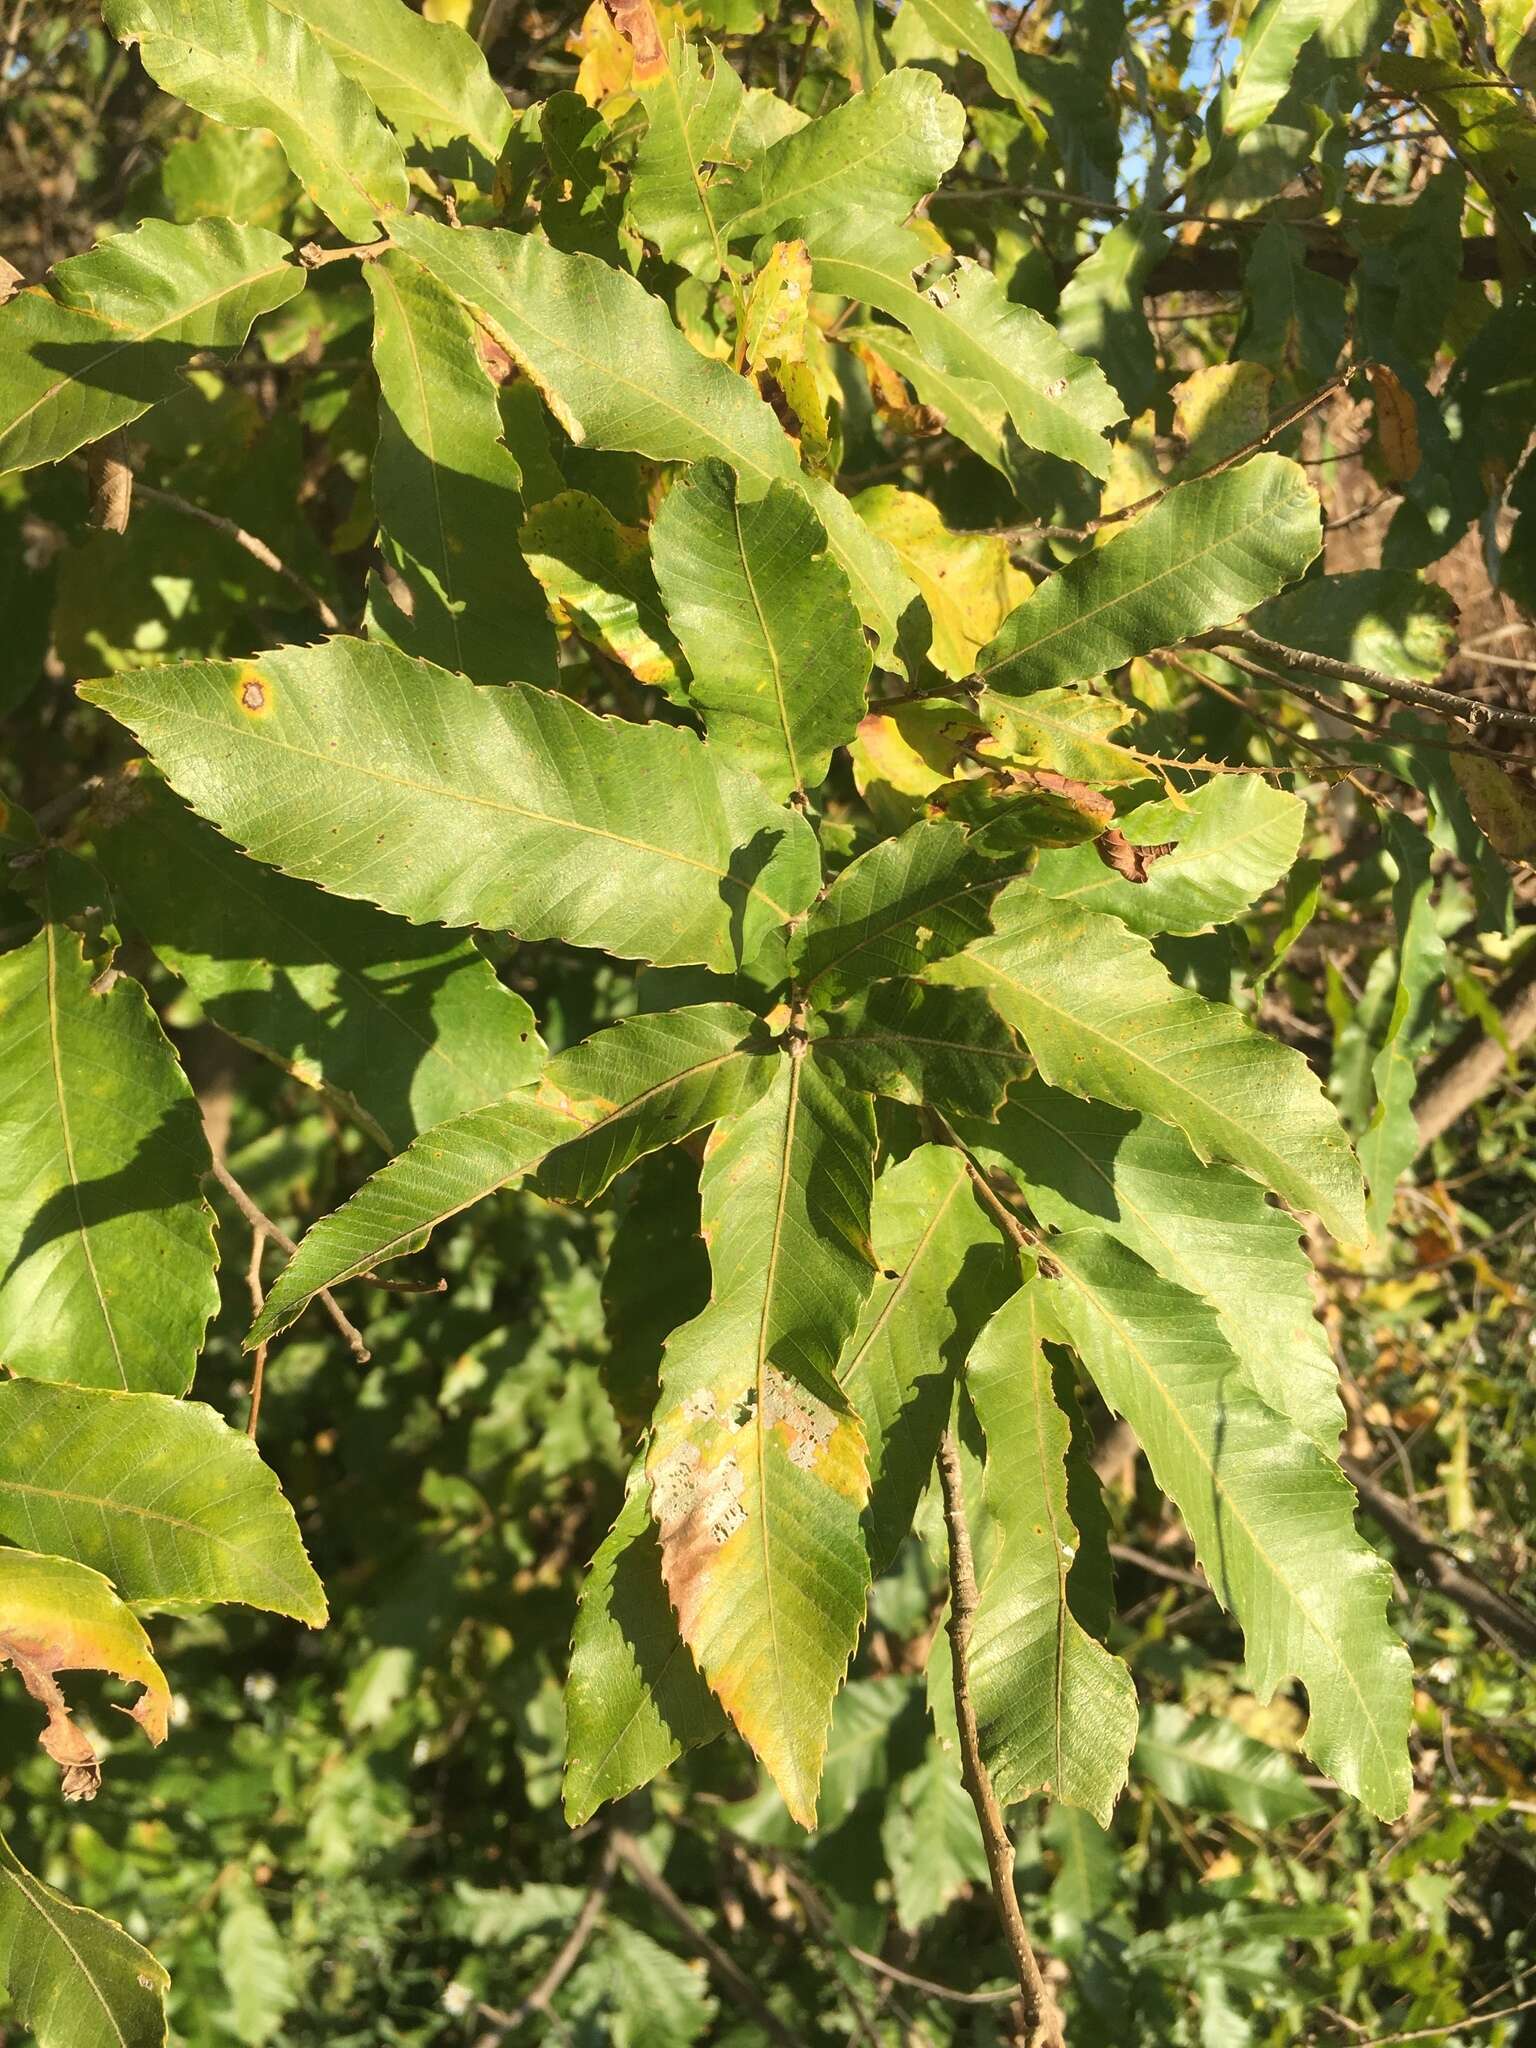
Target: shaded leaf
x=1208 y=1765
x=75 y=1979
x=909 y=900
x=598 y=576
x=940 y=1271
x=633 y=1701
x=645 y=1082
x=943 y=1047
x=107 y=336
x=106 y=1243
x=931 y=1840
x=777 y=656
x=447 y=491
x=1056 y=1713
x=1391 y=1139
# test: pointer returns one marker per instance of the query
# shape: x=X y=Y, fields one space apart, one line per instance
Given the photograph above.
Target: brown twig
x=258 y=1220
x=945 y=1992
x=1423 y=1552
x=1042 y=2019
x=257 y=549
x=1420 y=695
x=314 y=257
x=729 y=1972
x=1462 y=2026
x=569 y=1952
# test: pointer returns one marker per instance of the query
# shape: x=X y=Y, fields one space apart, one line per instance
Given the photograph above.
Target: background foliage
x=355 y=1833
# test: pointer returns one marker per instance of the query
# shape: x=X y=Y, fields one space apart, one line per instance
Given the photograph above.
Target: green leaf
x=254 y=65
x=160 y=1495
x=604 y=353
x=1083 y=1165
x=1056 y=1713
x=778 y=658
x=560 y=316
x=657 y=1276
x=1065 y=731
x=227 y=174
x=597 y=574
x=757 y=1464
x=1200 y=558
x=970 y=407
x=74 y=1979
x=1272 y=42
x=941 y=1270
x=254 y=1965
x=968 y=25
x=967 y=326
x=108 y=335
x=1391 y=1139
x=931 y=1840
x=381 y=777
x=1102 y=1018
x=1271 y=1517
x=428 y=78
x=406 y=1026
x=1294 y=316
x=634 y=1701
x=645 y=1082
x=632 y=1992
x=880 y=153
x=1384 y=619
x=106 y=1244
x=943 y=1047
x=447 y=490
x=1233 y=839
x=907 y=901
x=1206 y=1764
x=692 y=123
x=59 y=1616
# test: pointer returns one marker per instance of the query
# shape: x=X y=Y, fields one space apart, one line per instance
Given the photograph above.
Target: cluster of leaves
x=772 y=845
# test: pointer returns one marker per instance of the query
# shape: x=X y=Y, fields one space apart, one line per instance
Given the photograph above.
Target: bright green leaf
x=161 y=1496
x=74 y=1979
x=381 y=777
x=1103 y=1019
x=1271 y=1517
x=255 y=65
x=1056 y=1713
x=1202 y=557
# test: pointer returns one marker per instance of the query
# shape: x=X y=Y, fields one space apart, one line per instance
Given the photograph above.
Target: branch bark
x=1042 y=2019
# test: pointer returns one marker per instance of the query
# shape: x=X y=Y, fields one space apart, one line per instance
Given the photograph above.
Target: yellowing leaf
x=56 y=1616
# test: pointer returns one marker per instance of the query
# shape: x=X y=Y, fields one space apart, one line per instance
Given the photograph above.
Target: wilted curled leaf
x=637 y=24
x=1131 y=861
x=1397 y=423
x=56 y=1616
